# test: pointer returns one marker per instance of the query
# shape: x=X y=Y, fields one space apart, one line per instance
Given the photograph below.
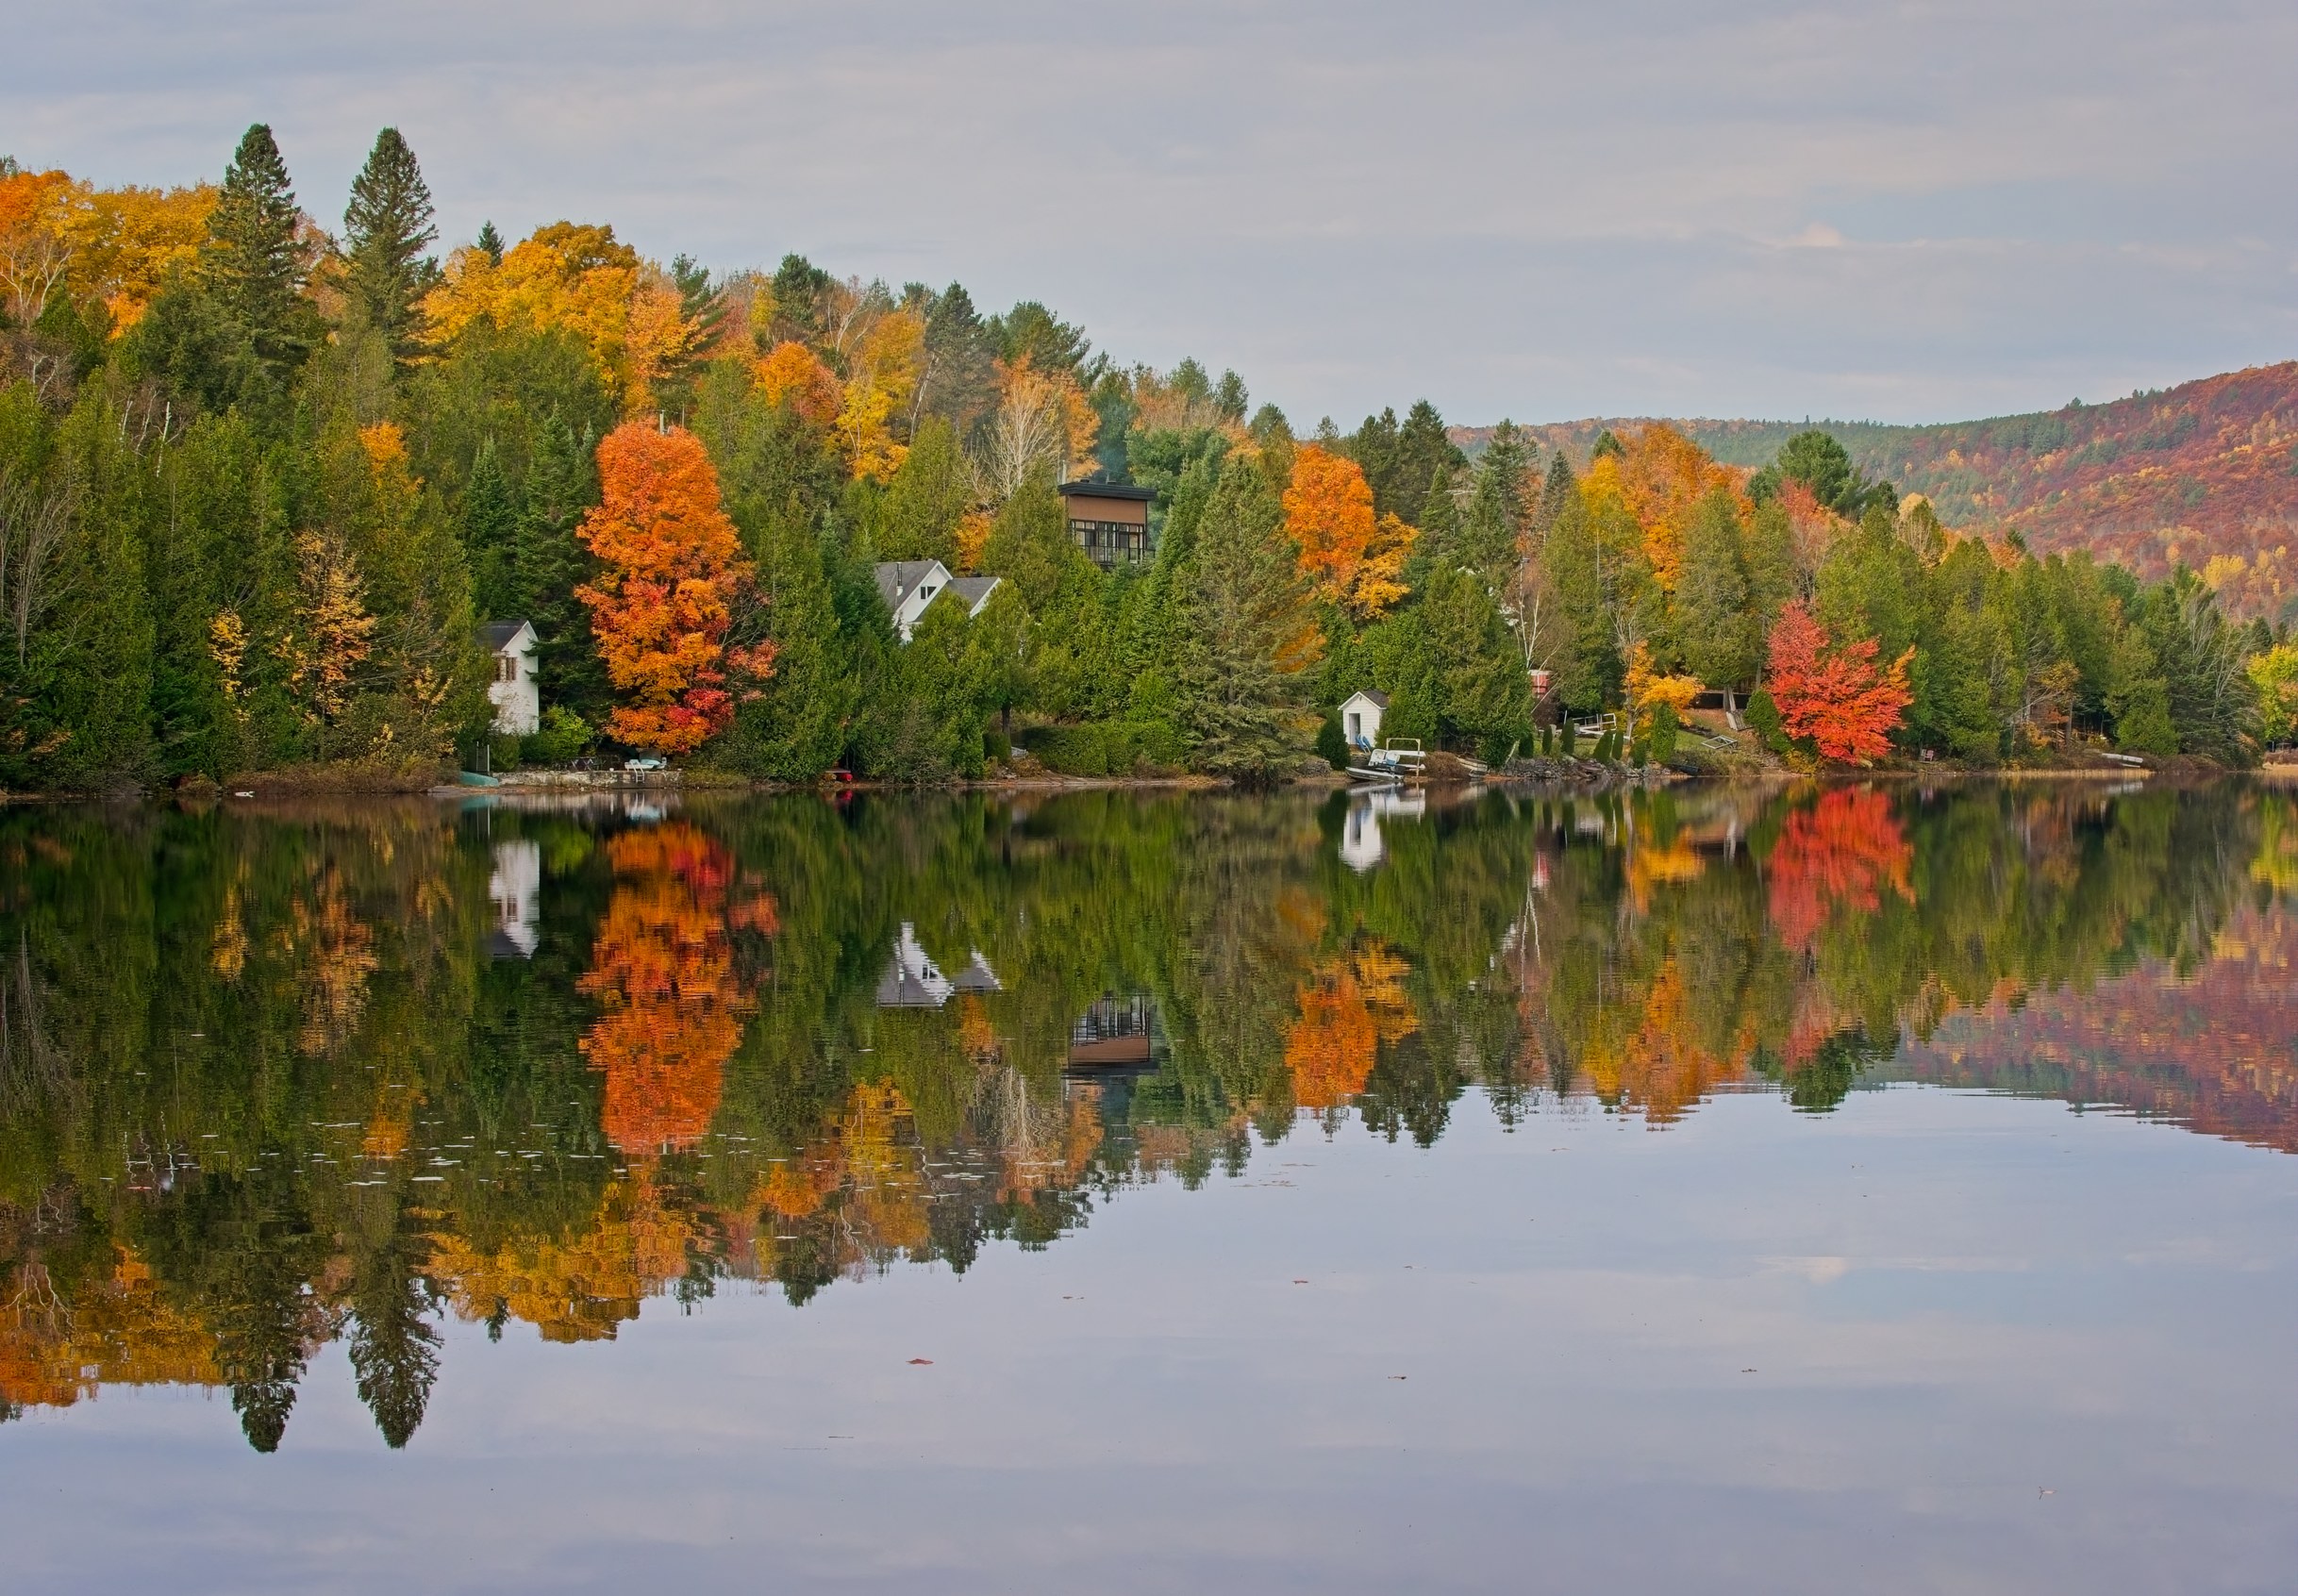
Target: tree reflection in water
x=275 y=1077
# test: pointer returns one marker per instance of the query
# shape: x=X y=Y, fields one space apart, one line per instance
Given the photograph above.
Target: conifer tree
x=550 y=562
x=794 y=727
x=489 y=242
x=490 y=531
x=386 y=227
x=1715 y=624
x=255 y=260
x=1247 y=634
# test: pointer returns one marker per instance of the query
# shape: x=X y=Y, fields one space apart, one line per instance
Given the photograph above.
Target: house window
x=505 y=667
x=1111 y=543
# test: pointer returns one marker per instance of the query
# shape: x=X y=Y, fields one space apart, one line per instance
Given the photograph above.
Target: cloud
x=1544 y=211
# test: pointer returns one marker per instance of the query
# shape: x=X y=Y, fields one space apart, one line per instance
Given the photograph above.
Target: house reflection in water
x=1117 y=1033
x=913 y=980
x=1360 y=845
x=515 y=888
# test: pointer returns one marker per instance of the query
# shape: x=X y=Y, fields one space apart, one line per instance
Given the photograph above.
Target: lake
x=1844 y=1188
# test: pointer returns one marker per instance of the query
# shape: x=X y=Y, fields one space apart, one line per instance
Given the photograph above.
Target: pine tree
x=255 y=260
x=386 y=227
x=926 y=498
x=794 y=728
x=550 y=563
x=1589 y=666
x=1715 y=624
x=1248 y=635
x=490 y=531
x=1423 y=449
x=489 y=242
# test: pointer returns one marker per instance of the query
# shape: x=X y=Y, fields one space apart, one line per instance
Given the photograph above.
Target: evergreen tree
x=387 y=227
x=1245 y=627
x=394 y=1354
x=489 y=242
x=1423 y=449
x=550 y=562
x=1589 y=667
x=490 y=536
x=1716 y=623
x=255 y=260
x=795 y=727
x=926 y=499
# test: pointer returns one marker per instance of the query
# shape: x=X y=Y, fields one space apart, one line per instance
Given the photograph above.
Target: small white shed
x=513 y=687
x=1360 y=714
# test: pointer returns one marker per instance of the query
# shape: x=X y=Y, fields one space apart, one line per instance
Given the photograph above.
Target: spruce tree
x=1245 y=621
x=254 y=262
x=550 y=562
x=491 y=533
x=489 y=242
x=1421 y=450
x=1715 y=624
x=386 y=227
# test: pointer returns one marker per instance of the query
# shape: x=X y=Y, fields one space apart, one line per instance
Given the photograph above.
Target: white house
x=913 y=980
x=515 y=888
x=1360 y=714
x=908 y=586
x=517 y=695
x=1362 y=847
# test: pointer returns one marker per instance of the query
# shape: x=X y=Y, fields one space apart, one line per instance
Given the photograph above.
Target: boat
x=1399 y=759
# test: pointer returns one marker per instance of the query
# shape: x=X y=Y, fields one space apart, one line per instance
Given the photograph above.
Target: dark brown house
x=1109 y=520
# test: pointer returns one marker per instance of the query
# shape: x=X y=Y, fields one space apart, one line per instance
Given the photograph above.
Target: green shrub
x=1332 y=746
x=1092 y=750
x=1763 y=714
x=997 y=747
x=1607 y=748
x=563 y=735
x=1661 y=740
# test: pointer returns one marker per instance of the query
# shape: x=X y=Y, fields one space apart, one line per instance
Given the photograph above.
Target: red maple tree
x=1835 y=696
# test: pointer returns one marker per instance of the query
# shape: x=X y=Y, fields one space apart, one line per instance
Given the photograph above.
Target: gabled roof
x=976 y=591
x=1106 y=491
x=496 y=635
x=1377 y=699
x=898 y=578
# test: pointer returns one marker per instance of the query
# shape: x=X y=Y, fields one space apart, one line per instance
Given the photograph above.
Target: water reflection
x=273 y=1079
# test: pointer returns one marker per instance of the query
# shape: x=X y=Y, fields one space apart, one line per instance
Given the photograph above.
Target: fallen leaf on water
x=921 y=1360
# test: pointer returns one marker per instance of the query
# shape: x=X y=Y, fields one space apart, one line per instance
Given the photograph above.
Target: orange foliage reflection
x=664 y=972
x=1353 y=1003
x=1839 y=853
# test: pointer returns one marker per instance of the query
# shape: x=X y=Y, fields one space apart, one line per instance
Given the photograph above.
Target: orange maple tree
x=1352 y=557
x=671 y=993
x=674 y=569
x=1835 y=696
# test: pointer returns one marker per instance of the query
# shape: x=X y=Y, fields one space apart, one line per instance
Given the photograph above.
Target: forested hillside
x=2203 y=474
x=264 y=485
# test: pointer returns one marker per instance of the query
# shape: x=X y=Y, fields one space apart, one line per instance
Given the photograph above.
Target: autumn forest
x=262 y=481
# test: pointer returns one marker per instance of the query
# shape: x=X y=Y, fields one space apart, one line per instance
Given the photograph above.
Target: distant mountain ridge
x=2205 y=474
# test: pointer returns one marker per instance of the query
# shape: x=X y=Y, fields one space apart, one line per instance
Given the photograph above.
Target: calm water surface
x=1848 y=1188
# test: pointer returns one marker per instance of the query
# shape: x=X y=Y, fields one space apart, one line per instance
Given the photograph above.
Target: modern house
x=512 y=688
x=1109 y=520
x=1360 y=714
x=1115 y=1032
x=908 y=586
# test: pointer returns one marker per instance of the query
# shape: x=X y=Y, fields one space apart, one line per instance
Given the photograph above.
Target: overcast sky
x=1908 y=213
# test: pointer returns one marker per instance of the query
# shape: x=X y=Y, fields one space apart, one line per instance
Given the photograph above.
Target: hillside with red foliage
x=2203 y=474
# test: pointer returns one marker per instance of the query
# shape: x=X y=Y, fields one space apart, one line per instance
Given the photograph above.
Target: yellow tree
x=884 y=372
x=1663 y=475
x=627 y=311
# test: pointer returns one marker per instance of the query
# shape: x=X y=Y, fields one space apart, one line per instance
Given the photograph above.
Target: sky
x=1906 y=212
